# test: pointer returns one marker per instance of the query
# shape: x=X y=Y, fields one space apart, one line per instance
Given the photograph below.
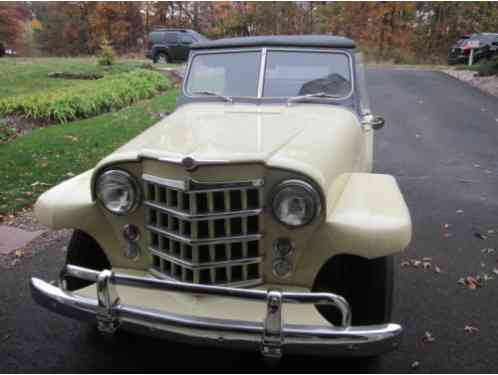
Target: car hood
x=302 y=137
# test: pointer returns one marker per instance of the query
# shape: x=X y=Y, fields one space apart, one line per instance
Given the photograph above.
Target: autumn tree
x=399 y=31
x=120 y=22
x=13 y=17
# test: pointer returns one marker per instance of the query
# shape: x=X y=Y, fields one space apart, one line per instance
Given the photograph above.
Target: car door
x=185 y=42
x=171 y=41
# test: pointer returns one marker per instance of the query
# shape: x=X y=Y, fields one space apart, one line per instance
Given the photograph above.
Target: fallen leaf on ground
x=428 y=338
x=19 y=253
x=483 y=277
x=470 y=329
x=487 y=250
x=471 y=283
x=480 y=236
x=39 y=183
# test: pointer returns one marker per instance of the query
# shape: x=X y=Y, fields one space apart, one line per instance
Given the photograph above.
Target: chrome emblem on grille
x=189 y=163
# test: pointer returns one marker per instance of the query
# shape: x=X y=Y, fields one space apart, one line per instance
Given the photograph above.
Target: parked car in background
x=165 y=45
x=258 y=188
x=2 y=50
x=487 y=46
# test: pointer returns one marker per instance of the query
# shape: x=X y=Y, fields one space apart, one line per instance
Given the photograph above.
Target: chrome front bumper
x=271 y=336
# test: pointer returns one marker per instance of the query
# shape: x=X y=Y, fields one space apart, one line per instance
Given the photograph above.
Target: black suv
x=460 y=51
x=166 y=45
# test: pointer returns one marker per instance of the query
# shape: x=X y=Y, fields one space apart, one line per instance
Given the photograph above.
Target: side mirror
x=377 y=123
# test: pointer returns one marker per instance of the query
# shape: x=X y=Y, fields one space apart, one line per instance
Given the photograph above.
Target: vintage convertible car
x=257 y=192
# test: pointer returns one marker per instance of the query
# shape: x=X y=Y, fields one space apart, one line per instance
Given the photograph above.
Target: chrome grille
x=205 y=233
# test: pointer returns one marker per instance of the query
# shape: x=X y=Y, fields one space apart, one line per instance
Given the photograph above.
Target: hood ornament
x=189 y=163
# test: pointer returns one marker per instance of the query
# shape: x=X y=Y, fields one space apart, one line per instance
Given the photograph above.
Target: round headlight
x=295 y=203
x=118 y=191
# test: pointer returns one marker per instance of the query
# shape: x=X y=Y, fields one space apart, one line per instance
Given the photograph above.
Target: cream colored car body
x=364 y=214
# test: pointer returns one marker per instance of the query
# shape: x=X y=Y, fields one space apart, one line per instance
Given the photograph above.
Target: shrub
x=488 y=68
x=107 y=55
x=86 y=98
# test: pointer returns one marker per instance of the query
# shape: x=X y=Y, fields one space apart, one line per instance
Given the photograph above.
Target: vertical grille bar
x=193 y=203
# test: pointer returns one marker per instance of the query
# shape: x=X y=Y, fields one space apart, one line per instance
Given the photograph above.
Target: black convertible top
x=318 y=41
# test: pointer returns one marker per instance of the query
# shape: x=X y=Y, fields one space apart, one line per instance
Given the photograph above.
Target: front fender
x=68 y=205
x=367 y=216
x=371 y=218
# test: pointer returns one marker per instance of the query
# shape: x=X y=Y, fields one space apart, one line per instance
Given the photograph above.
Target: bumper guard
x=270 y=336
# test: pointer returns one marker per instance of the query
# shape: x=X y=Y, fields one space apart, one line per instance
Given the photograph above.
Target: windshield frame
x=262 y=70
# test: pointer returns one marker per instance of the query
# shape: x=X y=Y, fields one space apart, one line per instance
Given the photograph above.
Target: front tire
x=84 y=251
x=367 y=284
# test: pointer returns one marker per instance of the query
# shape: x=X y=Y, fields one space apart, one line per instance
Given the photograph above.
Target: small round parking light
x=281 y=268
x=282 y=247
x=131 y=233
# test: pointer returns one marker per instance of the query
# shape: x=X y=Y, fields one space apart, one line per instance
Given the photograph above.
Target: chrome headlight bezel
x=301 y=187
x=132 y=184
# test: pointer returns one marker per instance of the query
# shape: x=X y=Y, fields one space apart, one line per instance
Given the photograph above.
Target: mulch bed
x=19 y=126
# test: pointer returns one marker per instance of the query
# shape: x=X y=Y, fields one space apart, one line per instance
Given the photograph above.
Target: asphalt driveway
x=440 y=142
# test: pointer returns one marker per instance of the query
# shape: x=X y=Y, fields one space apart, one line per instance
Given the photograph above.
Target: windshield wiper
x=212 y=93
x=313 y=95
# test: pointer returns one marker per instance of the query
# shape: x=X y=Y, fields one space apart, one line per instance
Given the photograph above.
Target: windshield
x=286 y=74
x=229 y=74
x=303 y=73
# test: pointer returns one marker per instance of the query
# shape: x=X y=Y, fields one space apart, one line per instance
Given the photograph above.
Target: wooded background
x=404 y=32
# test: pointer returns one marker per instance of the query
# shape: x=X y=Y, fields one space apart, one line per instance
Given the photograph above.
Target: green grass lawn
x=33 y=163
x=27 y=75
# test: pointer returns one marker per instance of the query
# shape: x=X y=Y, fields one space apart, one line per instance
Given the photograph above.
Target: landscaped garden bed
x=86 y=98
